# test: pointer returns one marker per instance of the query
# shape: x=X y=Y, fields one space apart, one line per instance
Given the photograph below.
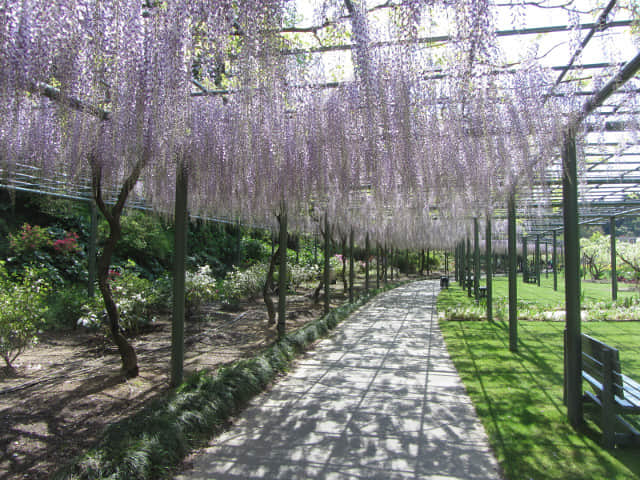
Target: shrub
x=57 y=258
x=146 y=240
x=65 y=306
x=132 y=295
x=201 y=287
x=299 y=274
x=67 y=245
x=239 y=284
x=29 y=239
x=22 y=306
x=336 y=263
x=254 y=250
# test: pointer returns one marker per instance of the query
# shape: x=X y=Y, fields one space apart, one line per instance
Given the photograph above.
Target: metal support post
x=525 y=260
x=351 y=270
x=467 y=262
x=554 y=261
x=573 y=352
x=366 y=263
x=327 y=265
x=476 y=259
x=546 y=259
x=513 y=279
x=91 y=254
x=614 y=272
x=378 y=260
x=179 y=259
x=489 y=267
x=537 y=259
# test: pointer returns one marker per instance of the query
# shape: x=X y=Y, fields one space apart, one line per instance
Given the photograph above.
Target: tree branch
x=635 y=268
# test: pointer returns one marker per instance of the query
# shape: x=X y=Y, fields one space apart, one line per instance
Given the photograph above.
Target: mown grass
x=519 y=396
x=542 y=302
x=151 y=443
x=545 y=295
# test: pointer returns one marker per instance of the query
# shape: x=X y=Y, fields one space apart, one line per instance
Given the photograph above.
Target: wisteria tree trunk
x=327 y=265
x=316 y=292
x=344 y=264
x=112 y=215
x=385 y=263
x=268 y=289
x=351 y=269
x=366 y=263
x=282 y=271
x=378 y=266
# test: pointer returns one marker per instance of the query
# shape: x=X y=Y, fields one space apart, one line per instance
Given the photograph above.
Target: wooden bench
x=615 y=393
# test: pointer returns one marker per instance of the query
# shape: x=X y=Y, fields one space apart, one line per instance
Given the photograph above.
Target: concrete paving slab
x=378 y=399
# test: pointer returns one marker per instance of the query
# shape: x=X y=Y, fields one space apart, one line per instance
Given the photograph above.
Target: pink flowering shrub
x=67 y=245
x=29 y=239
x=33 y=237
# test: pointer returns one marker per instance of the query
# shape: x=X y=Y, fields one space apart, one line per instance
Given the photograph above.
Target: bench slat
x=600 y=366
x=630 y=383
x=593 y=351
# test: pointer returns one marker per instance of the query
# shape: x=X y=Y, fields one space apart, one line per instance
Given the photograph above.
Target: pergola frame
x=589 y=194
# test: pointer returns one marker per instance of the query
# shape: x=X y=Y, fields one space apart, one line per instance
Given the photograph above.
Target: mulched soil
x=68 y=388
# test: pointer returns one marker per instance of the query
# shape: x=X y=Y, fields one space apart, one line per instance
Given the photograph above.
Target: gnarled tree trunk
x=127 y=353
x=112 y=215
x=316 y=293
x=268 y=288
x=345 y=286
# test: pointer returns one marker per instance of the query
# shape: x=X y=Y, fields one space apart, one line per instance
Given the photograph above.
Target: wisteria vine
x=93 y=86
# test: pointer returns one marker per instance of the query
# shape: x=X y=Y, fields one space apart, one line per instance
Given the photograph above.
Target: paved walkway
x=379 y=399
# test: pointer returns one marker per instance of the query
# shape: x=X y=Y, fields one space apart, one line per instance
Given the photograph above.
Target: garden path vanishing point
x=378 y=399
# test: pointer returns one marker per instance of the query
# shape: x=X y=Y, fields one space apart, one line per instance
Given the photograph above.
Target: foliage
x=54 y=251
x=596 y=254
x=29 y=239
x=518 y=397
x=200 y=287
x=300 y=274
x=310 y=251
x=216 y=245
x=239 y=284
x=66 y=306
x=246 y=155
x=629 y=253
x=22 y=307
x=154 y=440
x=336 y=263
x=254 y=250
x=133 y=295
x=146 y=240
x=67 y=245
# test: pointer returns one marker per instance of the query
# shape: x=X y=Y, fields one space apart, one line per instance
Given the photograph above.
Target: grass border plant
x=152 y=442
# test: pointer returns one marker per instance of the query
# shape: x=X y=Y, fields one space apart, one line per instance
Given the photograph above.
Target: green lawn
x=544 y=294
x=519 y=395
x=541 y=302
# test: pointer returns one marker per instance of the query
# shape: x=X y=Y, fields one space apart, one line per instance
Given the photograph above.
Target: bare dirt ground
x=68 y=388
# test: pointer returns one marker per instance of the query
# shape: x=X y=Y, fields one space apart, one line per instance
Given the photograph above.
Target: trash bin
x=444 y=282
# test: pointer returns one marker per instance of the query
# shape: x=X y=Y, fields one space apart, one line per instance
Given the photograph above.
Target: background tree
x=596 y=254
